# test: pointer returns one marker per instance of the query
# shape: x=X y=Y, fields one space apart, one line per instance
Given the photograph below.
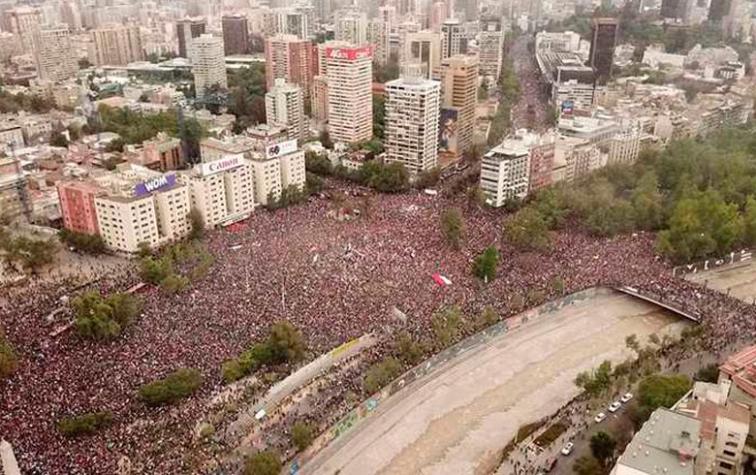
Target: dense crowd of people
x=335 y=280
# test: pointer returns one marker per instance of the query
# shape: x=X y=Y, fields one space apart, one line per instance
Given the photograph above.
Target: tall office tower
x=55 y=57
x=70 y=13
x=454 y=38
x=186 y=30
x=292 y=59
x=459 y=86
x=438 y=15
x=117 y=45
x=718 y=10
x=290 y=21
x=603 y=37
x=412 y=112
x=424 y=49
x=350 y=99
x=323 y=9
x=284 y=106
x=387 y=14
x=208 y=64
x=319 y=99
x=351 y=26
x=378 y=36
x=25 y=22
x=235 y=34
x=491 y=46
x=469 y=8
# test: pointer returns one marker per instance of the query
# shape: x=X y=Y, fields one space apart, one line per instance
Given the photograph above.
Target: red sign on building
x=350 y=54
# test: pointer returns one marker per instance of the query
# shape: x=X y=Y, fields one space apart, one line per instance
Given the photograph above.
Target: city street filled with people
x=334 y=280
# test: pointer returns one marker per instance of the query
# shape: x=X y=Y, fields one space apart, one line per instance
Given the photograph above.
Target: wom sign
x=731 y=258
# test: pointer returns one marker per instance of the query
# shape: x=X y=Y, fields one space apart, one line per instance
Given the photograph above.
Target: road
x=459 y=417
x=739 y=280
x=531 y=110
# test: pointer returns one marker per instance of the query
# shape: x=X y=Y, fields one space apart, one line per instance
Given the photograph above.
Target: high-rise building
x=186 y=30
x=673 y=9
x=423 y=48
x=454 y=38
x=235 y=34
x=319 y=99
x=351 y=26
x=284 y=106
x=438 y=15
x=293 y=21
x=77 y=206
x=412 y=111
x=491 y=46
x=117 y=45
x=387 y=14
x=208 y=64
x=378 y=36
x=350 y=101
x=25 y=22
x=56 y=60
x=504 y=173
x=603 y=38
x=459 y=86
x=323 y=9
x=292 y=59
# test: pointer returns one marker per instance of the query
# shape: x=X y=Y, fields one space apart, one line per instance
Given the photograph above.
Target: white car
x=626 y=397
x=615 y=406
x=567 y=449
x=599 y=417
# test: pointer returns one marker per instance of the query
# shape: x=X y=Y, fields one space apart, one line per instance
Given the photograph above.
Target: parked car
x=567 y=449
x=599 y=417
x=626 y=397
x=615 y=406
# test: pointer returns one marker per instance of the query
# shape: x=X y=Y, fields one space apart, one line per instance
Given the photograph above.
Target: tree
x=381 y=373
x=631 y=342
x=30 y=254
x=104 y=318
x=286 y=343
x=486 y=318
x=408 y=350
x=527 y=230
x=602 y=447
x=662 y=390
x=177 y=385
x=325 y=139
x=57 y=139
x=484 y=266
x=391 y=178
x=197 y=223
x=302 y=435
x=379 y=115
x=648 y=205
x=587 y=465
x=263 y=463
x=89 y=243
x=446 y=325
x=452 y=226
x=84 y=424
x=708 y=374
x=749 y=222
x=115 y=145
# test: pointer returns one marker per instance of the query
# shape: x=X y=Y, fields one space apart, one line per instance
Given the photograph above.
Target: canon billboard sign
x=224 y=164
x=281 y=149
x=349 y=53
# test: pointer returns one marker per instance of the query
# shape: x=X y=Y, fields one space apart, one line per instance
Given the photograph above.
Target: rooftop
x=741 y=367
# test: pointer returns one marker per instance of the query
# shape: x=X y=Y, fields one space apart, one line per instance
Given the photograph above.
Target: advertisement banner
x=281 y=149
x=155 y=184
x=568 y=107
x=350 y=53
x=447 y=140
x=224 y=164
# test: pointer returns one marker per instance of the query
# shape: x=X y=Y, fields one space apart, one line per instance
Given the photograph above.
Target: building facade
x=284 y=106
x=186 y=30
x=55 y=57
x=77 y=206
x=504 y=173
x=235 y=34
x=459 y=87
x=291 y=59
x=208 y=64
x=350 y=101
x=412 y=112
x=603 y=39
x=117 y=45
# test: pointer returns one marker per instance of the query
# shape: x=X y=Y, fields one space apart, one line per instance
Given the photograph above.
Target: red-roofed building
x=740 y=369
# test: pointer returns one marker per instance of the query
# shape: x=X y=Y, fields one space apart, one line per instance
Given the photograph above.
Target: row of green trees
x=698 y=195
x=88 y=243
x=26 y=253
x=176 y=266
x=284 y=344
x=390 y=178
x=102 y=318
x=509 y=94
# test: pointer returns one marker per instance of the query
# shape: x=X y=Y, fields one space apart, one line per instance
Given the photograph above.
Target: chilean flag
x=441 y=280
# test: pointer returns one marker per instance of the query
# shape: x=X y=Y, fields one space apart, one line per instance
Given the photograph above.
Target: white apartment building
x=378 y=35
x=424 y=48
x=55 y=57
x=491 y=47
x=284 y=106
x=504 y=173
x=454 y=38
x=223 y=190
x=580 y=95
x=208 y=64
x=412 y=114
x=625 y=146
x=280 y=166
x=212 y=149
x=141 y=206
x=350 y=99
x=351 y=26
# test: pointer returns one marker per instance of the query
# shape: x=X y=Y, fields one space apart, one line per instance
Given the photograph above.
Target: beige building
x=13 y=190
x=424 y=48
x=351 y=26
x=459 y=87
x=279 y=167
x=208 y=64
x=350 y=98
x=117 y=45
x=284 y=106
x=141 y=206
x=25 y=22
x=378 y=35
x=55 y=57
x=223 y=190
x=212 y=149
x=320 y=99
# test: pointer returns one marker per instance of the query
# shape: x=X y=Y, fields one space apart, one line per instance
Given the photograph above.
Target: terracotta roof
x=741 y=367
